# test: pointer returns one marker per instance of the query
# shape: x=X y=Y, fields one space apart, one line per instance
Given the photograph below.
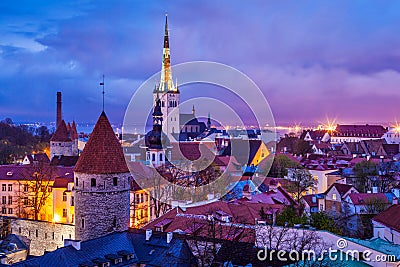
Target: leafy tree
x=289 y=217
x=362 y=172
x=302 y=147
x=280 y=165
x=322 y=221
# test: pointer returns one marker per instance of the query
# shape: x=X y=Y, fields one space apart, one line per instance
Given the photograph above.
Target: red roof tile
x=373 y=131
x=363 y=198
x=103 y=152
x=61 y=133
x=390 y=217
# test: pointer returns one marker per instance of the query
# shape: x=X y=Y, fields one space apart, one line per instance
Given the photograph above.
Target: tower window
x=115 y=181
x=153 y=156
x=76 y=181
x=93 y=182
x=83 y=223
x=161 y=157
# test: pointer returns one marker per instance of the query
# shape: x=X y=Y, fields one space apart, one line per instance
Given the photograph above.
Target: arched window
x=93 y=182
x=161 y=157
x=153 y=157
x=115 y=181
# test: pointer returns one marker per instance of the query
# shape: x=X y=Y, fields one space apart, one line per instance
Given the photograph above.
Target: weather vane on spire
x=102 y=84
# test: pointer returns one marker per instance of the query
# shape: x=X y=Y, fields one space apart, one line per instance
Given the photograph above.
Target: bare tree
x=301 y=181
x=375 y=205
x=34 y=189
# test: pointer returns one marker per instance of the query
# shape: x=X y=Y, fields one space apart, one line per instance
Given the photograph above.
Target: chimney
x=149 y=232
x=76 y=244
x=395 y=201
x=169 y=237
x=59 y=114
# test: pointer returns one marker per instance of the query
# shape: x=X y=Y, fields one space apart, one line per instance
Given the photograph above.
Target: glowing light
x=396 y=127
x=330 y=125
x=56 y=218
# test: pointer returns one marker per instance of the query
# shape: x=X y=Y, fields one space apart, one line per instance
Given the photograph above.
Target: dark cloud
x=335 y=58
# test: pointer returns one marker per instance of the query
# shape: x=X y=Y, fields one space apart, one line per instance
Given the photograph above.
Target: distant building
x=356 y=133
x=64 y=141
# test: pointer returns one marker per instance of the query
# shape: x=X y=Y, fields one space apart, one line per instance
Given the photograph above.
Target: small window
x=10 y=187
x=83 y=223
x=9 y=200
x=76 y=181
x=93 y=182
x=72 y=201
x=334 y=196
x=26 y=188
x=115 y=221
x=64 y=197
x=4 y=200
x=153 y=157
x=10 y=211
x=161 y=157
x=64 y=213
x=37 y=232
x=115 y=181
x=3 y=187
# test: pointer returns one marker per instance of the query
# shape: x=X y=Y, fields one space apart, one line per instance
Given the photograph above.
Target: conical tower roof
x=103 y=153
x=61 y=133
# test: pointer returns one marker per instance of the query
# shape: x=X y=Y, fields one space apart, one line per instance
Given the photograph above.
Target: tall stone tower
x=167 y=92
x=64 y=141
x=101 y=185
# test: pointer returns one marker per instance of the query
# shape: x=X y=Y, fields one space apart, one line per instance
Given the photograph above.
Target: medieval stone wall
x=43 y=236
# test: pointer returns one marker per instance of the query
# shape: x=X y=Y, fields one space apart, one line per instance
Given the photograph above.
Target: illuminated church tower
x=167 y=92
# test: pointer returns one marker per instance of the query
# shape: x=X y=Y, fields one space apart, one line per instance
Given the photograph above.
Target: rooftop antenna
x=102 y=84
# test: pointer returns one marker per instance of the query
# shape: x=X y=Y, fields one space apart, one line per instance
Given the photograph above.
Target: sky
x=313 y=60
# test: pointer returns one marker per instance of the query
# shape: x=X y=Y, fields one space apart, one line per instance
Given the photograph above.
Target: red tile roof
x=373 y=131
x=309 y=200
x=61 y=133
x=390 y=217
x=62 y=182
x=103 y=152
x=341 y=188
x=23 y=172
x=363 y=198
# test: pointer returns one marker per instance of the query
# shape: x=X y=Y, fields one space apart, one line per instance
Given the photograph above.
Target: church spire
x=166 y=82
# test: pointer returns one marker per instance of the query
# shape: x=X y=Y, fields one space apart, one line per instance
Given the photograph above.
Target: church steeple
x=166 y=83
